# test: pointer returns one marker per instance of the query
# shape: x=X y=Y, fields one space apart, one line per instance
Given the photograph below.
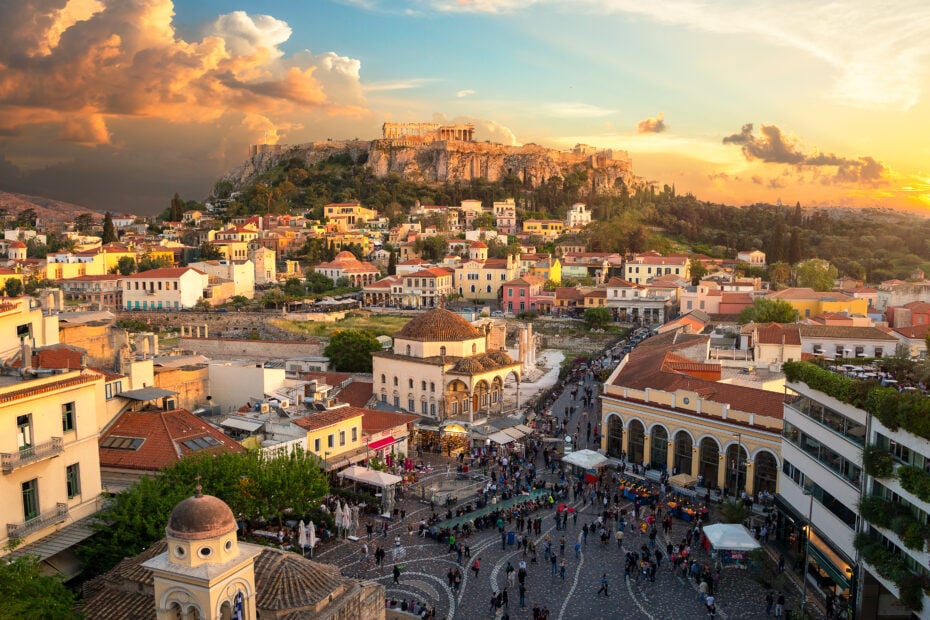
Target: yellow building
x=481 y=279
x=549 y=269
x=347 y=215
x=49 y=454
x=112 y=253
x=66 y=265
x=342 y=241
x=664 y=406
x=808 y=302
x=335 y=436
x=548 y=229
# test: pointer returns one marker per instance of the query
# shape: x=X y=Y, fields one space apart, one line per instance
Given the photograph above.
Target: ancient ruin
x=424 y=133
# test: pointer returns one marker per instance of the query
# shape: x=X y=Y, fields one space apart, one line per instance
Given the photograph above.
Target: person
x=619 y=536
x=522 y=595
x=604 y=586
x=476 y=566
x=769 y=602
x=779 y=604
x=562 y=565
x=370 y=529
x=397 y=573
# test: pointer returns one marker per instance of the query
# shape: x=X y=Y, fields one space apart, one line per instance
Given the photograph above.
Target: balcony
x=10 y=461
x=49 y=517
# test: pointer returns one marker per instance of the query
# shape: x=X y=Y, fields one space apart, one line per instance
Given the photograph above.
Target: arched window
x=383 y=379
x=408 y=349
x=442 y=350
x=395 y=381
x=474 y=348
x=423 y=385
x=432 y=386
x=410 y=383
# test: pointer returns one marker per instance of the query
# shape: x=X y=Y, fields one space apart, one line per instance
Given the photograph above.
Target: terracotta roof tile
x=322 y=419
x=375 y=421
x=357 y=393
x=163 y=272
x=438 y=325
x=844 y=332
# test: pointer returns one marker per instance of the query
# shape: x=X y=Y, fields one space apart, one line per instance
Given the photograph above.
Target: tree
x=318 y=283
x=274 y=296
x=484 y=220
x=794 y=247
x=176 y=210
x=208 y=251
x=13 y=287
x=779 y=274
x=203 y=305
x=84 y=223
x=238 y=301
x=698 y=270
x=350 y=350
x=817 y=274
x=765 y=310
x=26 y=593
x=294 y=288
x=26 y=218
x=125 y=265
x=109 y=230
x=253 y=484
x=147 y=263
x=597 y=318
x=392 y=264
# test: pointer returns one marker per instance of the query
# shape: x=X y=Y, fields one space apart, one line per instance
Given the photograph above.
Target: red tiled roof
x=495 y=263
x=357 y=393
x=164 y=272
x=913 y=331
x=164 y=433
x=616 y=282
x=94 y=278
x=773 y=333
x=334 y=379
x=375 y=421
x=322 y=419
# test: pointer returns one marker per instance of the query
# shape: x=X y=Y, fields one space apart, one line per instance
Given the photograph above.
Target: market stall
x=588 y=460
x=381 y=480
x=730 y=544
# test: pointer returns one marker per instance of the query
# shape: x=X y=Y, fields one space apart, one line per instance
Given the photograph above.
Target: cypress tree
x=109 y=230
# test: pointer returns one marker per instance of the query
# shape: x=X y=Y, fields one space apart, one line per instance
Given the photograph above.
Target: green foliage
x=84 y=223
x=134 y=325
x=109 y=230
x=915 y=480
x=318 y=283
x=208 y=251
x=253 y=484
x=147 y=262
x=830 y=383
x=527 y=315
x=238 y=301
x=26 y=593
x=765 y=310
x=431 y=248
x=13 y=287
x=877 y=462
x=817 y=274
x=294 y=288
x=597 y=318
x=350 y=350
x=125 y=265
x=893 y=567
x=733 y=512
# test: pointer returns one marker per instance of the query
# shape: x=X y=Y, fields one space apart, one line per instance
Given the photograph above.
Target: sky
x=118 y=104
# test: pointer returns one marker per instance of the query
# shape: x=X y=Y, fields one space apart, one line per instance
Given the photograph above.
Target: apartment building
x=165 y=288
x=642 y=268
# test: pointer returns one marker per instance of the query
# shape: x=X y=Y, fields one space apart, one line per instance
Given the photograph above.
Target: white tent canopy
x=730 y=536
x=586 y=459
x=501 y=437
x=373 y=477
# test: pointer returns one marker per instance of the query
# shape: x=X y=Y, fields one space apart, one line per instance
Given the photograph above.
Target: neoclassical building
x=200 y=571
x=665 y=406
x=345 y=265
x=440 y=367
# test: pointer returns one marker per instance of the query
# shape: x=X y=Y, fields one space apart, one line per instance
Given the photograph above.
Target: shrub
x=877 y=462
x=915 y=480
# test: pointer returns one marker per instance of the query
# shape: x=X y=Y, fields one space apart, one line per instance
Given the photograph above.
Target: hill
x=46 y=209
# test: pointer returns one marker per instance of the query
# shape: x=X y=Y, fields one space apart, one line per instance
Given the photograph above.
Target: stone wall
x=219 y=324
x=191 y=383
x=102 y=341
x=237 y=348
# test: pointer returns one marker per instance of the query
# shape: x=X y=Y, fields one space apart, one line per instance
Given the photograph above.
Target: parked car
x=497 y=314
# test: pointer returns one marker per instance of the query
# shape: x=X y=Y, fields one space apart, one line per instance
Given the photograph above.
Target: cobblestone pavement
x=426 y=563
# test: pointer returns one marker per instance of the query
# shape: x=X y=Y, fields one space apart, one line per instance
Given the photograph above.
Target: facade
x=809 y=303
x=427 y=288
x=834 y=341
x=505 y=216
x=265 y=266
x=240 y=273
x=526 y=294
x=477 y=279
x=167 y=288
x=642 y=268
x=578 y=216
x=347 y=215
x=440 y=367
x=548 y=229
x=105 y=291
x=753 y=258
x=664 y=407
x=67 y=265
x=335 y=436
x=635 y=303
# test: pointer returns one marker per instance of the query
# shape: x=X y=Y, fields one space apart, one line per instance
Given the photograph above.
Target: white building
x=753 y=258
x=240 y=273
x=578 y=216
x=236 y=384
x=165 y=288
x=265 y=266
x=644 y=267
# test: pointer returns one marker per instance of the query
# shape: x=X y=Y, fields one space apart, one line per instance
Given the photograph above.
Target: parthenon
x=428 y=132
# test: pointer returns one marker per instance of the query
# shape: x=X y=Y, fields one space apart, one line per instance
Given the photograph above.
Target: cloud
x=774 y=147
x=575 y=109
x=652 y=125
x=399 y=84
x=464 y=93
x=878 y=55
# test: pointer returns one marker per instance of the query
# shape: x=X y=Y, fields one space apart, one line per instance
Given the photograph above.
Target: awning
x=55 y=551
x=526 y=430
x=586 y=459
x=501 y=438
x=243 y=424
x=373 y=477
x=513 y=432
x=823 y=562
x=147 y=393
x=384 y=442
x=730 y=536
x=683 y=480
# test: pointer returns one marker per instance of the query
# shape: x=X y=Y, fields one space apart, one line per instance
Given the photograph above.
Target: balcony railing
x=58 y=514
x=10 y=461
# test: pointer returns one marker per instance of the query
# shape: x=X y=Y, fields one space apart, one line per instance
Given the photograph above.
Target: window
x=316 y=444
x=423 y=386
x=432 y=386
x=397 y=401
x=73 y=476
x=410 y=383
x=354 y=434
x=522 y=292
x=116 y=442
x=30 y=499
x=442 y=350
x=395 y=381
x=67 y=417
x=24 y=431
x=411 y=405
x=383 y=379
x=331 y=441
x=342 y=438
x=199 y=443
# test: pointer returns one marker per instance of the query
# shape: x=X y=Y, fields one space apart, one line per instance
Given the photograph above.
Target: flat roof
x=147 y=393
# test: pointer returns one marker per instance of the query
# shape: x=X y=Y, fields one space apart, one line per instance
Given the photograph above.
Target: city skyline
x=118 y=105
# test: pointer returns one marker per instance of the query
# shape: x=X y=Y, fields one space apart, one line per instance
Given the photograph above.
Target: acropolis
x=427 y=132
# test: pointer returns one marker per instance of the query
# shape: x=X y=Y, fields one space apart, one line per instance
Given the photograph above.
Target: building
x=578 y=216
x=637 y=303
x=201 y=570
x=166 y=288
x=347 y=215
x=426 y=288
x=265 y=264
x=526 y=294
x=547 y=229
x=48 y=451
x=479 y=279
x=335 y=436
x=345 y=265
x=808 y=302
x=642 y=268
x=105 y=292
x=753 y=258
x=505 y=216
x=65 y=265
x=387 y=432
x=664 y=406
x=240 y=273
x=834 y=341
x=440 y=367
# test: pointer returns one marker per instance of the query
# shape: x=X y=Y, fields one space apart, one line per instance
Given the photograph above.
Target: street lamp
x=807 y=544
x=739 y=456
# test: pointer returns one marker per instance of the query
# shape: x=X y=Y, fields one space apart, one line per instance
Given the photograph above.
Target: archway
x=683 y=456
x=659 y=449
x=614 y=436
x=710 y=462
x=637 y=441
x=736 y=468
x=457 y=399
x=766 y=474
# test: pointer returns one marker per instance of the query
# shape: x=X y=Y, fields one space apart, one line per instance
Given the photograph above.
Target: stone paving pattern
x=426 y=563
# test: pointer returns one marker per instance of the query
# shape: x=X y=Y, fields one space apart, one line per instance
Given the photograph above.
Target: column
x=647 y=448
x=722 y=472
x=625 y=442
x=471 y=413
x=750 y=481
x=670 y=456
x=695 y=462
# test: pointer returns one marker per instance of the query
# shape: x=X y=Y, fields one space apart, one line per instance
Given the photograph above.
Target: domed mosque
x=200 y=571
x=441 y=366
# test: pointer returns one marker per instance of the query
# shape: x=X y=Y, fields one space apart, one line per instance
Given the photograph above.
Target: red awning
x=381 y=443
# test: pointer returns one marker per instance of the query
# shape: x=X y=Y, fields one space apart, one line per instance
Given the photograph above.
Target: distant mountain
x=47 y=209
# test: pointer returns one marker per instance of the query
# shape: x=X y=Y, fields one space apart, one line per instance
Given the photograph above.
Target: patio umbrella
x=337 y=515
x=302 y=536
x=347 y=516
x=311 y=537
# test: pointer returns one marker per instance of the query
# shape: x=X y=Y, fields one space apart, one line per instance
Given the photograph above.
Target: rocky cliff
x=452 y=161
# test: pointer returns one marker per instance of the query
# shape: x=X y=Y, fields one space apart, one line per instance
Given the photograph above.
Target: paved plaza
x=426 y=563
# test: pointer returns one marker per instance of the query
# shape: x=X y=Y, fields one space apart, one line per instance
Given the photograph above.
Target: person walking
x=562 y=565
x=553 y=563
x=779 y=604
x=476 y=566
x=769 y=602
x=522 y=595
x=397 y=573
x=604 y=586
